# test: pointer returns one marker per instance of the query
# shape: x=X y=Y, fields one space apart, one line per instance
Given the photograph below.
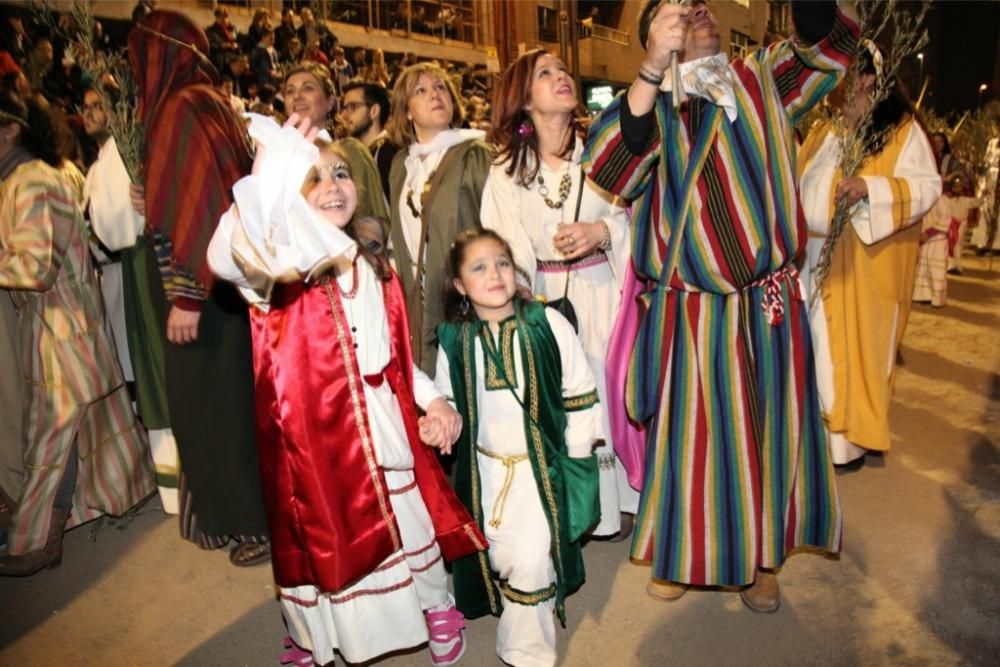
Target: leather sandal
x=247 y=554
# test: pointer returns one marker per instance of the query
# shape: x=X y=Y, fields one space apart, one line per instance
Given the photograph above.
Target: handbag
x=563 y=305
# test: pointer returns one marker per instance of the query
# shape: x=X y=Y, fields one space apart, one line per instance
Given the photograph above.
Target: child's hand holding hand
x=443 y=425
x=432 y=433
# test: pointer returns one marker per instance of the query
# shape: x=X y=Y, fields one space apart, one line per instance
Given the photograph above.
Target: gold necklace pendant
x=423 y=193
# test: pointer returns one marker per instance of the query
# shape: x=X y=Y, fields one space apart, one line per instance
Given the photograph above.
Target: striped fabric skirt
x=738 y=472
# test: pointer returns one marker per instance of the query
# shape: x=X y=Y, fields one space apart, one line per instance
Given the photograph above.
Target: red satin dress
x=326 y=455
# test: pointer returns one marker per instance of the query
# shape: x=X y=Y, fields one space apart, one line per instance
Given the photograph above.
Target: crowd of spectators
x=38 y=57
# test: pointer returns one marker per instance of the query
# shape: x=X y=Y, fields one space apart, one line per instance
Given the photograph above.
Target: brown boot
x=49 y=556
x=665 y=591
x=763 y=595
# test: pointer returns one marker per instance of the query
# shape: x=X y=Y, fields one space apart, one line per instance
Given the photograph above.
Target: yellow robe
x=866 y=297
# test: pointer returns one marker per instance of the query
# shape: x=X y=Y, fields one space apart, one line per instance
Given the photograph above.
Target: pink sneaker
x=295 y=655
x=447 y=636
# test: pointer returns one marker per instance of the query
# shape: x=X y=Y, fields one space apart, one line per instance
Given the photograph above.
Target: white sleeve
x=579 y=391
x=442 y=377
x=223 y=263
x=115 y=222
x=619 y=225
x=220 y=255
x=898 y=201
x=500 y=211
x=424 y=390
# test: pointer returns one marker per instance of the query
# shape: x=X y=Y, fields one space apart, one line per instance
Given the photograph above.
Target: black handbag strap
x=576 y=218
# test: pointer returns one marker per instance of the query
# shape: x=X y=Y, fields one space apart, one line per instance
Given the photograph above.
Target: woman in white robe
x=568 y=237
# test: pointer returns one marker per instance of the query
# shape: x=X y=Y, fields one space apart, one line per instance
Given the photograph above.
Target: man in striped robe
x=737 y=470
x=196 y=148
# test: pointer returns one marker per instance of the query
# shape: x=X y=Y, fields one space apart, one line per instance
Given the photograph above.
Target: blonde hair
x=399 y=127
x=320 y=71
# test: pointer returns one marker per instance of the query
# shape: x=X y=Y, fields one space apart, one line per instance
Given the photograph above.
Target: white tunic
x=519 y=543
x=931 y=282
x=521 y=216
x=116 y=224
x=986 y=191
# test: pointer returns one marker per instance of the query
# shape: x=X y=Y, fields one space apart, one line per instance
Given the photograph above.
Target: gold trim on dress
x=494 y=381
x=536 y=440
x=528 y=598
x=360 y=419
x=477 y=508
x=581 y=402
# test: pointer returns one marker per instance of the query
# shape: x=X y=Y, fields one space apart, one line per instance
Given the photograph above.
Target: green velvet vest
x=567 y=487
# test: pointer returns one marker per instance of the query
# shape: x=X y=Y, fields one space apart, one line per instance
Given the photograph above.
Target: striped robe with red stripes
x=737 y=471
x=75 y=396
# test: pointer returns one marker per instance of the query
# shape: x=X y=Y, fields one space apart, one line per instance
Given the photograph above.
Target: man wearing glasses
x=364 y=111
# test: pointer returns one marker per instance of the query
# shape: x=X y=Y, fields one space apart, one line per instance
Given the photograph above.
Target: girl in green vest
x=525 y=465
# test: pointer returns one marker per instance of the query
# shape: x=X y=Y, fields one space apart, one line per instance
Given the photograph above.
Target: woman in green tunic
x=435 y=191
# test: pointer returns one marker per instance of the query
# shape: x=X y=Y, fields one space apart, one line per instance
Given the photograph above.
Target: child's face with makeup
x=331 y=190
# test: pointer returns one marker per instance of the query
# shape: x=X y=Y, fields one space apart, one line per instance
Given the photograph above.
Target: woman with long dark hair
x=84 y=452
x=859 y=320
x=569 y=238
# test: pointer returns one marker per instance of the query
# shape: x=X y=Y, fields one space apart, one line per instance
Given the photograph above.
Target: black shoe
x=625 y=528
x=246 y=554
x=850 y=466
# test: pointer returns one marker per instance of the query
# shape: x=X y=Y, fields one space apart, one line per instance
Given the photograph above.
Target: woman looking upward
x=568 y=237
x=435 y=185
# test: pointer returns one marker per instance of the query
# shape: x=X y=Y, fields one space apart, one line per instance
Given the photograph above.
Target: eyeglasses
x=350 y=107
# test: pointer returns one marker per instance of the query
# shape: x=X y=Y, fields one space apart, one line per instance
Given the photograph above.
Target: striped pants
x=114 y=469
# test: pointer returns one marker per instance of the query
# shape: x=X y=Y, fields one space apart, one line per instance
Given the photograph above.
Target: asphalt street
x=918 y=582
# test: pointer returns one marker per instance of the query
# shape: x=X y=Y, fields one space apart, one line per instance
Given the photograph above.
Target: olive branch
x=111 y=75
x=880 y=21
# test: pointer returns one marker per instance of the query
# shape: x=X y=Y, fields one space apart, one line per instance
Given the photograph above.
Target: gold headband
x=11 y=118
x=174 y=40
x=333 y=164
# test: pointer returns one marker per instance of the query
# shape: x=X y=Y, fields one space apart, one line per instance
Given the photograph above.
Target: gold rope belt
x=496 y=516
